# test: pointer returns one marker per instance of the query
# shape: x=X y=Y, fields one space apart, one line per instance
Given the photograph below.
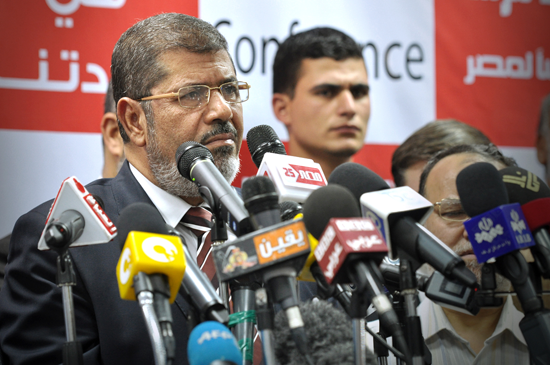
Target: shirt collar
x=171 y=207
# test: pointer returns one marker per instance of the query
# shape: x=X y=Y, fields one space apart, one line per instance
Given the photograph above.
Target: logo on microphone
x=282 y=242
x=125 y=268
x=530 y=182
x=364 y=242
x=159 y=249
x=488 y=232
x=306 y=175
x=517 y=224
x=333 y=260
x=213 y=335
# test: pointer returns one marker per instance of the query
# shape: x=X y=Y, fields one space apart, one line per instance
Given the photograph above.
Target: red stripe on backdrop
x=502 y=42
x=375 y=157
x=88 y=34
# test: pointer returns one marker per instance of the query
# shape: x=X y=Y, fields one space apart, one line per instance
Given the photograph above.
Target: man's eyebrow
x=199 y=83
x=326 y=86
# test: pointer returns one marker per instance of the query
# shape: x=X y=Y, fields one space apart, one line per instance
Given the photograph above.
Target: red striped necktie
x=199 y=221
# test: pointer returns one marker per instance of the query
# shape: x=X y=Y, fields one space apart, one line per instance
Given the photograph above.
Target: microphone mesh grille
x=187 y=154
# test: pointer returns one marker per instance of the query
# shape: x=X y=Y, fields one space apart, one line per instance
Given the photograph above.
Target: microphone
x=273 y=254
x=155 y=262
x=294 y=177
x=211 y=343
x=398 y=214
x=201 y=293
x=262 y=139
x=290 y=210
x=195 y=163
x=497 y=229
x=349 y=251
x=75 y=219
x=533 y=194
x=311 y=271
x=437 y=288
x=261 y=201
x=328 y=331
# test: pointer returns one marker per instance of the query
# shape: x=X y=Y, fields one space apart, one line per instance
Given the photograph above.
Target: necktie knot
x=198 y=220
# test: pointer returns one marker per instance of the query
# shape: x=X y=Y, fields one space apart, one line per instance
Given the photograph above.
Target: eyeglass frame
x=438 y=205
x=244 y=85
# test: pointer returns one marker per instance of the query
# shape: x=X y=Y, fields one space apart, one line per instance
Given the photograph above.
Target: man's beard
x=166 y=172
x=503 y=284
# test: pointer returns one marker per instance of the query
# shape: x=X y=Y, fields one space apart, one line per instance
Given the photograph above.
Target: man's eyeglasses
x=451 y=210
x=234 y=92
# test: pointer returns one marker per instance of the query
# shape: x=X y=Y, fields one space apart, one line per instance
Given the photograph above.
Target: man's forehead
x=329 y=70
x=441 y=181
x=197 y=66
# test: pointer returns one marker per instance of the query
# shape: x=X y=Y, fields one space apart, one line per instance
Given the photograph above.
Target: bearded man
x=173 y=82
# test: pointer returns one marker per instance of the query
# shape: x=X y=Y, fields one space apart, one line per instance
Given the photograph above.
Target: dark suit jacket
x=111 y=330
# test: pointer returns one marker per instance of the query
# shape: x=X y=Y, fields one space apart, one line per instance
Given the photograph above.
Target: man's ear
x=111 y=134
x=132 y=117
x=541 y=149
x=282 y=104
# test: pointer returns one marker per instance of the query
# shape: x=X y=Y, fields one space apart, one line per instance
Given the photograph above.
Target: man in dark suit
x=173 y=81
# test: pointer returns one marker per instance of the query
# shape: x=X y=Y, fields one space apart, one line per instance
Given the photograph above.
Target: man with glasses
x=493 y=335
x=321 y=95
x=173 y=81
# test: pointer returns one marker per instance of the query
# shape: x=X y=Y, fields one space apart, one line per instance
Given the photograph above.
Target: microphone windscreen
x=141 y=217
x=289 y=210
x=331 y=201
x=523 y=186
x=211 y=341
x=187 y=153
x=259 y=194
x=262 y=139
x=357 y=178
x=480 y=188
x=329 y=335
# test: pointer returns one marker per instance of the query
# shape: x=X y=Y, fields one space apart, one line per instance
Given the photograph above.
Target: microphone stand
x=265 y=314
x=243 y=318
x=413 y=328
x=66 y=279
x=144 y=294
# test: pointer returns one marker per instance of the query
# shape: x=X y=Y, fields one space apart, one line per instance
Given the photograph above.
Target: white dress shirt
x=505 y=346
x=171 y=208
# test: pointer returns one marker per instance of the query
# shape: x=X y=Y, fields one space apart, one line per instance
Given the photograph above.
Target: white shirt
x=505 y=346
x=171 y=208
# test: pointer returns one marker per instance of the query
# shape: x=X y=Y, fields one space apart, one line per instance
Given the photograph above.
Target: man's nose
x=346 y=103
x=219 y=109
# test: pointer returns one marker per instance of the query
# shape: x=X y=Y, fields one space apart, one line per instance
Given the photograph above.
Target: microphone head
x=289 y=210
x=357 y=178
x=329 y=336
x=262 y=139
x=259 y=194
x=187 y=154
x=141 y=217
x=331 y=201
x=523 y=186
x=480 y=188
x=211 y=341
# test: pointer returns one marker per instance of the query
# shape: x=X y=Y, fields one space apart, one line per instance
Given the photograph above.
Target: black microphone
x=262 y=139
x=261 y=200
x=481 y=192
x=328 y=331
x=349 y=251
x=484 y=198
x=397 y=213
x=533 y=195
x=196 y=284
x=195 y=163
